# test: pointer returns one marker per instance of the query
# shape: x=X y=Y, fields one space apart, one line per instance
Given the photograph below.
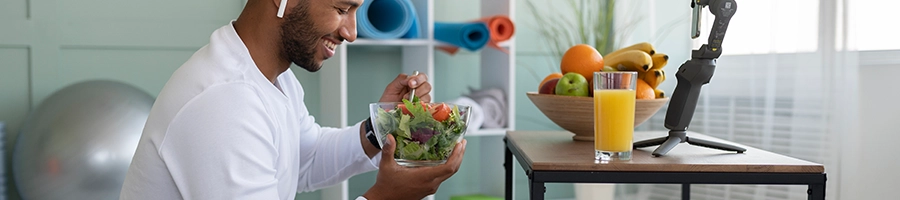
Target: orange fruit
x=644 y=91
x=548 y=78
x=583 y=59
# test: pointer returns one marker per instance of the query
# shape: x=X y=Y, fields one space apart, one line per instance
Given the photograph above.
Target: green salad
x=423 y=131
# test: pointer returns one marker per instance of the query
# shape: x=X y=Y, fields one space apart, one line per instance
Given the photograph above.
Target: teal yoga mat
x=470 y=35
x=387 y=19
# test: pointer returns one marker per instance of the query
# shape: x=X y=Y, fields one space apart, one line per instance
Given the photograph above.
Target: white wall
x=873 y=173
x=868 y=169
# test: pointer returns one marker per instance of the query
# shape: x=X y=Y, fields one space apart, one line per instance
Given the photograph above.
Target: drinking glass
x=614 y=99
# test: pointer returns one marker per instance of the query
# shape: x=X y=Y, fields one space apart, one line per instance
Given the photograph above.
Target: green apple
x=572 y=84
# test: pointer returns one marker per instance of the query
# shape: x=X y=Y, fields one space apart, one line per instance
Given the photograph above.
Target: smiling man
x=231 y=122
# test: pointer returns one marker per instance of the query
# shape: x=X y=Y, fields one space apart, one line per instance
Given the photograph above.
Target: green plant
x=579 y=22
x=565 y=23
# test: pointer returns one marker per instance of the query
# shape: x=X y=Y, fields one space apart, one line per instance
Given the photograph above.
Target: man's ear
x=281 y=7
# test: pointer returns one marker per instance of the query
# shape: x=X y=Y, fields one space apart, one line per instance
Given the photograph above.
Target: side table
x=552 y=156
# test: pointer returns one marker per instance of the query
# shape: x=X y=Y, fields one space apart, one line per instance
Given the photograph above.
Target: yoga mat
x=469 y=35
x=387 y=19
x=501 y=29
x=413 y=31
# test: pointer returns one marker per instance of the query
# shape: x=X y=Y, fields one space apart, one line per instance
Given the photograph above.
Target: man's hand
x=399 y=89
x=399 y=182
x=396 y=91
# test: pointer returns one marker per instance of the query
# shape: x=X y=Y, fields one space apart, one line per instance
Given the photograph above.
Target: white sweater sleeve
x=338 y=156
x=219 y=149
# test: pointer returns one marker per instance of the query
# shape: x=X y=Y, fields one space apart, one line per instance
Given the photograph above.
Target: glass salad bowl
x=426 y=133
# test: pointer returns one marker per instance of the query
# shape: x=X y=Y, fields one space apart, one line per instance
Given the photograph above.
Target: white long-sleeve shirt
x=220 y=130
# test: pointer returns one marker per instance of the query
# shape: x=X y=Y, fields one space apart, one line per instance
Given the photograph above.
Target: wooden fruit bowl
x=576 y=114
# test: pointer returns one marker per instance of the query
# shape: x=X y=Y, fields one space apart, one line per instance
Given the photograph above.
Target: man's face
x=314 y=28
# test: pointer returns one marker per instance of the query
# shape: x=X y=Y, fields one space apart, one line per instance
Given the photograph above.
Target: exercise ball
x=78 y=143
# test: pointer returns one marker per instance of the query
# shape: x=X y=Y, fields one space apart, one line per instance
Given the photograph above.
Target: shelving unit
x=415 y=54
x=393 y=42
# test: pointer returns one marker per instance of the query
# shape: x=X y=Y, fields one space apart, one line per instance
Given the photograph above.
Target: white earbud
x=281 y=8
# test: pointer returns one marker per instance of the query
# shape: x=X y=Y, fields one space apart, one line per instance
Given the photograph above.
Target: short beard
x=298 y=38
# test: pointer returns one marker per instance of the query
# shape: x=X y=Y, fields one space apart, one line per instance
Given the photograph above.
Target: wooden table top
x=556 y=151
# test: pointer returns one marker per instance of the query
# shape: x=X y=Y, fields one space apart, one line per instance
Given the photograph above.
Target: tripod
x=691 y=76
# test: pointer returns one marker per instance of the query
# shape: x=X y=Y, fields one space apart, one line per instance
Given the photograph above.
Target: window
x=871 y=25
x=768 y=26
x=771 y=90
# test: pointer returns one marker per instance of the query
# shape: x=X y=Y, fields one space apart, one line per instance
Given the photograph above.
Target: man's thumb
x=388 y=148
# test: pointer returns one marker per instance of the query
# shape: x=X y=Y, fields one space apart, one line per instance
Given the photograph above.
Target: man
x=231 y=123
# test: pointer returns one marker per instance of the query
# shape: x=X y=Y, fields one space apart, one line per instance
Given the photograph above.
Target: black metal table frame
x=536 y=179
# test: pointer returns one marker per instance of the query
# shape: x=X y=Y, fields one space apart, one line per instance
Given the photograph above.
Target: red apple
x=549 y=87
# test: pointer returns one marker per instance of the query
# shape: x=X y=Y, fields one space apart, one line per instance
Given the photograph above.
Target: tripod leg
x=650 y=142
x=714 y=145
x=666 y=146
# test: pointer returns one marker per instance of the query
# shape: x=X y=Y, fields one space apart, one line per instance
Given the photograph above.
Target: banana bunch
x=643 y=59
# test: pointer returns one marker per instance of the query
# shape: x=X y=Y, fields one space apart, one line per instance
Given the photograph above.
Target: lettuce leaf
x=420 y=120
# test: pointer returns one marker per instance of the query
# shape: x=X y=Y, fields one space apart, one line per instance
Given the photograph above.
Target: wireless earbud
x=281 y=8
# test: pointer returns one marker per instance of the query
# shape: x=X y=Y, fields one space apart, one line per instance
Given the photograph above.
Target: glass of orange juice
x=614 y=98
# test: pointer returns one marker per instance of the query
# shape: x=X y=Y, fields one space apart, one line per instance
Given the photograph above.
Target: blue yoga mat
x=387 y=19
x=469 y=35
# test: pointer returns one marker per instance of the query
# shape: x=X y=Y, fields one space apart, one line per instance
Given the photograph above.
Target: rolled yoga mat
x=501 y=29
x=387 y=19
x=469 y=35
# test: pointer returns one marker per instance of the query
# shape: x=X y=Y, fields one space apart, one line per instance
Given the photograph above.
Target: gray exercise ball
x=79 y=142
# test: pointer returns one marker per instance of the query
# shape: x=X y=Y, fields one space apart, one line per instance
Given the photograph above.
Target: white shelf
x=392 y=42
x=407 y=42
x=418 y=55
x=504 y=44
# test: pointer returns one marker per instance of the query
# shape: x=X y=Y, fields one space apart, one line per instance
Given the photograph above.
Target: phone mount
x=691 y=76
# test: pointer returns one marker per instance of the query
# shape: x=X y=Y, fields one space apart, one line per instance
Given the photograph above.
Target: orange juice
x=613 y=119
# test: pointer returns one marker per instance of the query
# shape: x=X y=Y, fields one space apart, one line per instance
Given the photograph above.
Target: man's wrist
x=369 y=128
x=369 y=147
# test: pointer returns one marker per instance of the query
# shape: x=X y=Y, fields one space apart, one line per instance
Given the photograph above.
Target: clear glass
x=614 y=99
x=420 y=142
